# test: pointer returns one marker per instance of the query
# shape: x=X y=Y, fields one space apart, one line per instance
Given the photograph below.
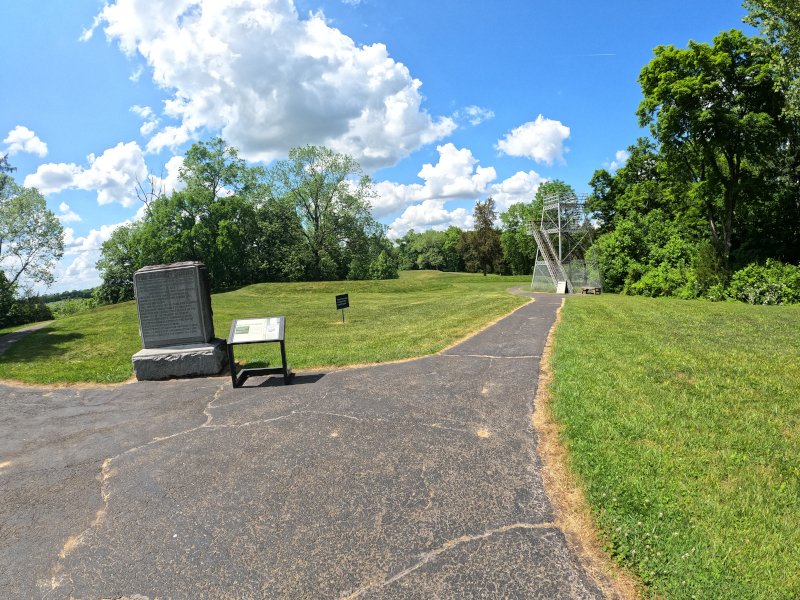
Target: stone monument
x=174 y=307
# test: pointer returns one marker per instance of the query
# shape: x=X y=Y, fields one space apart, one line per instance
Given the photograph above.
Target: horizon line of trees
x=306 y=218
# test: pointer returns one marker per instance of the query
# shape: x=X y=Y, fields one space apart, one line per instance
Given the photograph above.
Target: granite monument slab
x=176 y=324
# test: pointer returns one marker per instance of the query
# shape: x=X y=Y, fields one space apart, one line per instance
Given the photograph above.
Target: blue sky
x=443 y=102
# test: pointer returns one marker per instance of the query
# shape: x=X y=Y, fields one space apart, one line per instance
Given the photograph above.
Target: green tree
x=332 y=198
x=310 y=220
x=519 y=247
x=7 y=297
x=31 y=238
x=384 y=266
x=779 y=22
x=406 y=254
x=714 y=111
x=452 y=259
x=213 y=220
x=488 y=250
x=215 y=169
x=6 y=181
x=778 y=224
x=468 y=251
x=187 y=226
x=424 y=250
x=280 y=250
x=637 y=187
x=117 y=263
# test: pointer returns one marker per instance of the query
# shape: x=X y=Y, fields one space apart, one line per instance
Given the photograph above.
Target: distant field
x=420 y=313
x=683 y=421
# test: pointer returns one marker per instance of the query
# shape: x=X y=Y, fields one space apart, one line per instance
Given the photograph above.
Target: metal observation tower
x=563 y=238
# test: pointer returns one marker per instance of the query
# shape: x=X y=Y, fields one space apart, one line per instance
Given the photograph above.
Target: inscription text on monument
x=171 y=306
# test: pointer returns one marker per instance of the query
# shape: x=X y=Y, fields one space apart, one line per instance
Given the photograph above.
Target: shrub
x=27 y=310
x=716 y=293
x=771 y=283
x=72 y=306
x=663 y=280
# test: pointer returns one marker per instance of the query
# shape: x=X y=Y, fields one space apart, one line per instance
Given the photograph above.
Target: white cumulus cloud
x=620 y=158
x=114 y=175
x=391 y=197
x=78 y=270
x=520 y=187
x=541 y=140
x=430 y=214
x=22 y=139
x=475 y=114
x=269 y=80
x=66 y=214
x=151 y=121
x=137 y=74
x=455 y=175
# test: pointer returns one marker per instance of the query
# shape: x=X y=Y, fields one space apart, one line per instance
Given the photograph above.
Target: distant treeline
x=307 y=218
x=70 y=295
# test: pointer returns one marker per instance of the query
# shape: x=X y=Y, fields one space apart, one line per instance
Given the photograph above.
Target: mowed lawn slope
x=683 y=421
x=420 y=313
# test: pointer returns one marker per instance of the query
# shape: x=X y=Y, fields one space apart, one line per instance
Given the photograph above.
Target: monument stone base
x=186 y=360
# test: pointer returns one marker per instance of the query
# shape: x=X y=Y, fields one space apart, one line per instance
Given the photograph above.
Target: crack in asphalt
x=427 y=557
x=57 y=574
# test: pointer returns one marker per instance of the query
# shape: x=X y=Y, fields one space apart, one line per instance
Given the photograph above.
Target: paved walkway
x=409 y=480
x=9 y=338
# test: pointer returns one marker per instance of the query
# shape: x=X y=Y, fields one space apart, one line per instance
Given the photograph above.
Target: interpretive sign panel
x=174 y=304
x=342 y=301
x=248 y=331
x=254 y=331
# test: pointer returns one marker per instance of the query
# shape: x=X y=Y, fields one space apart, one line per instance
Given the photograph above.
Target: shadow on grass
x=43 y=343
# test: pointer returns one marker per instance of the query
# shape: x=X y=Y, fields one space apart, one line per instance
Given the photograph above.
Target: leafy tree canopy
x=331 y=196
x=779 y=22
x=308 y=218
x=31 y=238
x=714 y=111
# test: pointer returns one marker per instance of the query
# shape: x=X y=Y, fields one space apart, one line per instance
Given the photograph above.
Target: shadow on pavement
x=277 y=380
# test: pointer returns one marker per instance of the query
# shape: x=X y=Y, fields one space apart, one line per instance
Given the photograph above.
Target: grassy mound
x=420 y=313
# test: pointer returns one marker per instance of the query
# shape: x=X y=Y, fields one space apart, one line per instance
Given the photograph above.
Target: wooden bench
x=591 y=290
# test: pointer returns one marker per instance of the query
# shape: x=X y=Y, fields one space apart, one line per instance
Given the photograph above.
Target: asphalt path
x=9 y=338
x=417 y=479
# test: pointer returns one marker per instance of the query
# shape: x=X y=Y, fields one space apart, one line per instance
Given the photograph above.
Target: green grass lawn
x=683 y=421
x=420 y=313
